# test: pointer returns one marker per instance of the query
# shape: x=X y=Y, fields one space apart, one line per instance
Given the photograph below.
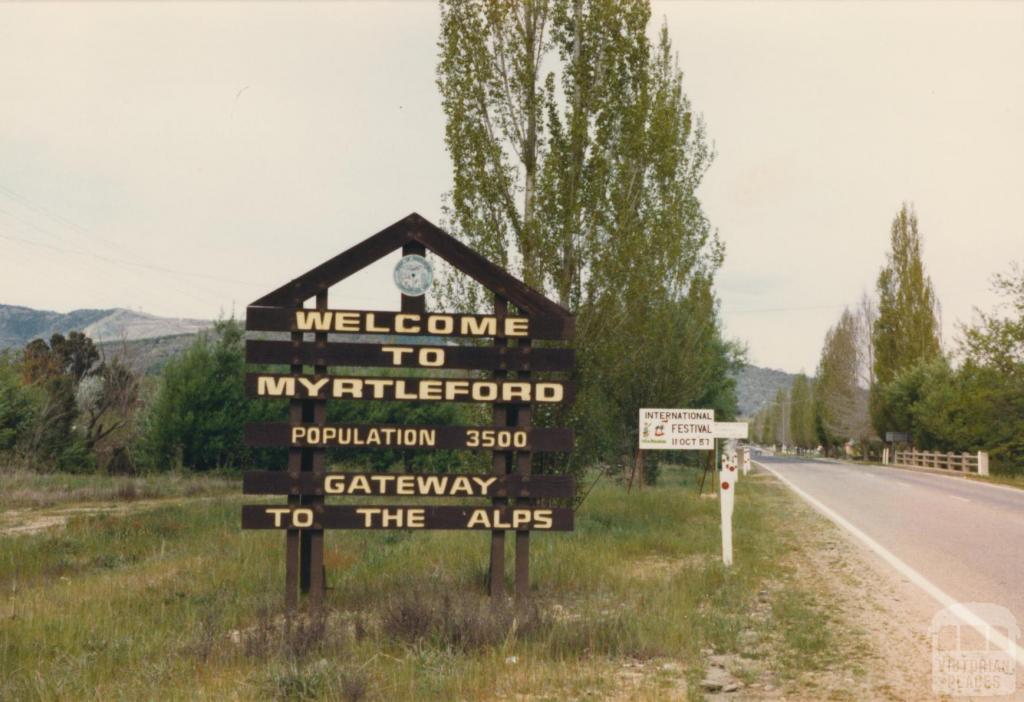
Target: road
x=964 y=537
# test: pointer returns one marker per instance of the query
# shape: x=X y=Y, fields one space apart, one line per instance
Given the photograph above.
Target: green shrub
x=197 y=417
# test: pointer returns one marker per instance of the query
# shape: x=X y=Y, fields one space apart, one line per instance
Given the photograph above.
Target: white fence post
x=982 y=463
x=726 y=500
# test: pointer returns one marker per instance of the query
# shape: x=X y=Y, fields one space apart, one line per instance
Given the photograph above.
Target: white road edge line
x=965 y=615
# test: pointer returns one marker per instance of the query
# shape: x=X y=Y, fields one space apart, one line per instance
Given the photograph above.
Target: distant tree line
x=883 y=369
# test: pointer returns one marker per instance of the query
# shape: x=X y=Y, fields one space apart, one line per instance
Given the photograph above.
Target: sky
x=184 y=159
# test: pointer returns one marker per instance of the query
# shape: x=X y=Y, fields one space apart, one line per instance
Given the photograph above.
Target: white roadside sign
x=731 y=430
x=677 y=429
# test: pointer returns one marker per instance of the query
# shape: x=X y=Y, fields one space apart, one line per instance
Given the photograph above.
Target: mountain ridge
x=20 y=325
x=756 y=387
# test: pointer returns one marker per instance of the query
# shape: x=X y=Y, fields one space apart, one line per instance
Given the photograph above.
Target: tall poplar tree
x=906 y=329
x=841 y=401
x=801 y=413
x=576 y=159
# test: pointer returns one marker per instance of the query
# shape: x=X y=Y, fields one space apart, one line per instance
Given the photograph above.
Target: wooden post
x=305 y=535
x=704 y=475
x=293 y=537
x=317 y=577
x=499 y=466
x=633 y=471
x=524 y=466
x=412 y=304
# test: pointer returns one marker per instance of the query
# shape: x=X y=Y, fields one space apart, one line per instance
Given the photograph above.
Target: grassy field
x=24 y=489
x=176 y=602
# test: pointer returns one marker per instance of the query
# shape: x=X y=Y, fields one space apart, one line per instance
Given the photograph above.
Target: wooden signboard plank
x=290 y=319
x=272 y=482
x=405 y=517
x=399 y=355
x=317 y=577
x=407 y=436
x=339 y=387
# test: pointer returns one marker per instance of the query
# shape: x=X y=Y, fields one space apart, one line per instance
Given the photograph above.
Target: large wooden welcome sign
x=499 y=374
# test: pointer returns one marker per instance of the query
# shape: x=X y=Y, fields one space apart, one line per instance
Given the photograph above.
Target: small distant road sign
x=731 y=430
x=677 y=429
x=897 y=437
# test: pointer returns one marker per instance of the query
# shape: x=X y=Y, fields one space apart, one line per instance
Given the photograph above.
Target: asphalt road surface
x=964 y=537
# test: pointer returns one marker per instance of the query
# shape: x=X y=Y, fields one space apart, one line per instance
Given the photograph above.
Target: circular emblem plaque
x=413 y=275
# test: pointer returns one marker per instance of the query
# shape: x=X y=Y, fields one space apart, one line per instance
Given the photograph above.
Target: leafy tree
x=980 y=406
x=841 y=402
x=801 y=413
x=997 y=340
x=15 y=404
x=52 y=373
x=906 y=329
x=108 y=402
x=909 y=392
x=630 y=367
x=768 y=433
x=583 y=180
x=777 y=417
x=765 y=428
x=973 y=408
x=196 y=419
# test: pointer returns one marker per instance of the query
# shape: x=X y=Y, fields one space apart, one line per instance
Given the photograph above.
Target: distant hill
x=20 y=325
x=756 y=387
x=148 y=356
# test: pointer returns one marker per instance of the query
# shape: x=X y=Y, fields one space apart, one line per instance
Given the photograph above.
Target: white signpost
x=677 y=429
x=696 y=430
x=730 y=476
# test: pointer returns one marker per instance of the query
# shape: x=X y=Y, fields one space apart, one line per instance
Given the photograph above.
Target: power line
x=88 y=234
x=209 y=296
x=110 y=259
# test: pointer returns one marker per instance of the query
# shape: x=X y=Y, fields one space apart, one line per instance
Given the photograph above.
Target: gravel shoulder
x=879 y=620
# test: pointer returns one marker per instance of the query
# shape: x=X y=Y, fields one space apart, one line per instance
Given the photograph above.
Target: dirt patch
x=24 y=522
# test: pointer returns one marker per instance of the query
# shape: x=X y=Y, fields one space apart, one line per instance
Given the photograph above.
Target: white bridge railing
x=960 y=462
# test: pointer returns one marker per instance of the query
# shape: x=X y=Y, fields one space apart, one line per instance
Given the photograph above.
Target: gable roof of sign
x=412 y=228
